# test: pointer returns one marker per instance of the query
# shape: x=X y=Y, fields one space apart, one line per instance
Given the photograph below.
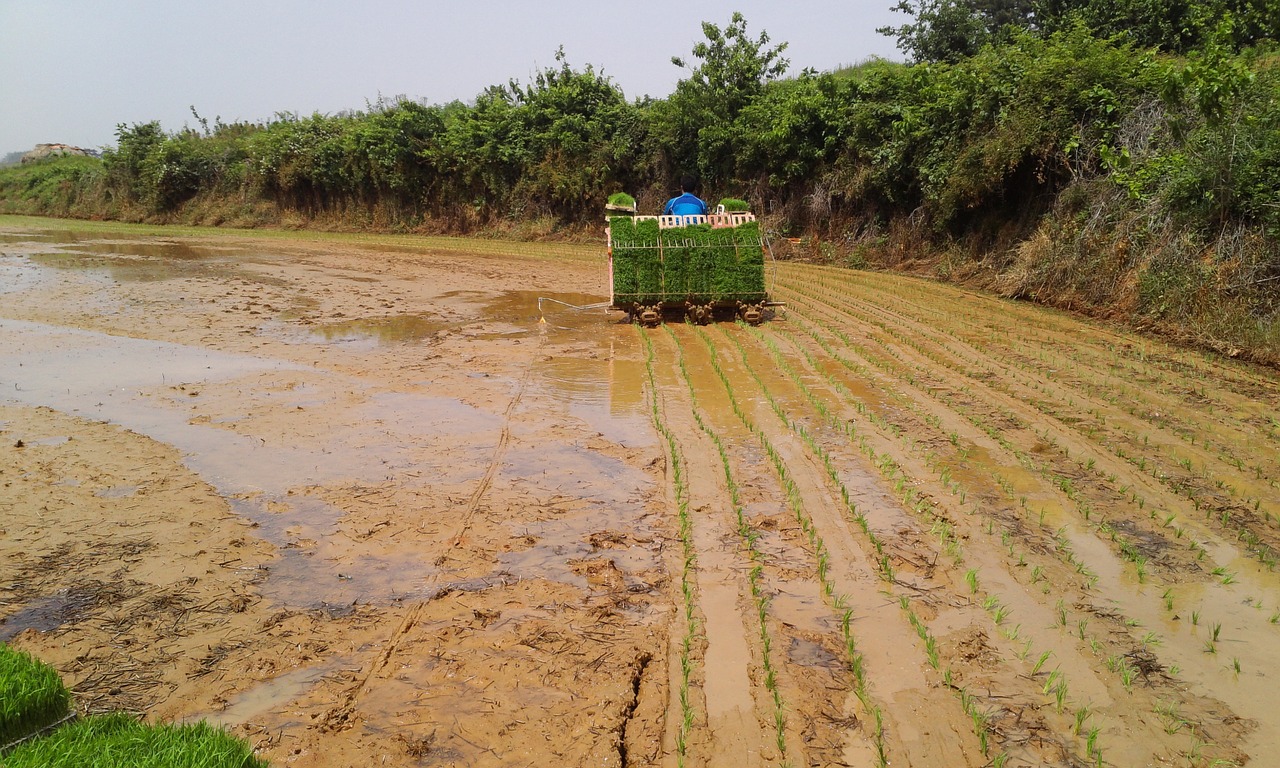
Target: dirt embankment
x=360 y=504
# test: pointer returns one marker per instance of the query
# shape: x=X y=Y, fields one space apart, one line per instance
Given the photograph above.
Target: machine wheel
x=700 y=314
x=751 y=314
x=649 y=317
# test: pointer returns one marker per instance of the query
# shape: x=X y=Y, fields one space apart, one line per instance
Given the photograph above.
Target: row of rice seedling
x=901 y=370
x=969 y=703
x=1060 y=480
x=748 y=537
x=838 y=601
x=1139 y=407
x=681 y=492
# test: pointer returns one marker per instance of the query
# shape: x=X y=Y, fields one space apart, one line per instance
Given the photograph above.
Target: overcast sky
x=71 y=70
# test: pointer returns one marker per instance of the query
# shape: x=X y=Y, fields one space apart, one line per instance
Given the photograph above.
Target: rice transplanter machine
x=699 y=267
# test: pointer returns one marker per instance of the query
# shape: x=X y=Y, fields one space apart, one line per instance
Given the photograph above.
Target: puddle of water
x=569 y=538
x=397 y=329
x=156 y=249
x=116 y=379
x=106 y=377
x=807 y=653
x=16 y=275
x=606 y=394
x=134 y=270
x=54 y=440
x=573 y=471
x=270 y=696
x=798 y=605
x=46 y=614
x=117 y=492
x=309 y=571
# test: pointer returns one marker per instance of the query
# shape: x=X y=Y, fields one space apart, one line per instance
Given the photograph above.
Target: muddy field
x=363 y=503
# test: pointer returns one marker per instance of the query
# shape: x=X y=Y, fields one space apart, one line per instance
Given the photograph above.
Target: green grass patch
x=119 y=740
x=32 y=695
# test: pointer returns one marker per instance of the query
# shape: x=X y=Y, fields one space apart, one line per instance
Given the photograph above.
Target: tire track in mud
x=1024 y=445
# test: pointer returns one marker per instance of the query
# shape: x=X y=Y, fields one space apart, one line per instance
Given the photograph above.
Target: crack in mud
x=638 y=669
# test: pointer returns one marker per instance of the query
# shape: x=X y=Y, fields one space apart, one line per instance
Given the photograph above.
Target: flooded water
x=236 y=417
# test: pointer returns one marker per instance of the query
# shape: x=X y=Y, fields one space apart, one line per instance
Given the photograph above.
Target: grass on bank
x=119 y=740
x=32 y=695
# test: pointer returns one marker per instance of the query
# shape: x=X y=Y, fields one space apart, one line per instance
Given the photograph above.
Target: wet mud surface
x=369 y=504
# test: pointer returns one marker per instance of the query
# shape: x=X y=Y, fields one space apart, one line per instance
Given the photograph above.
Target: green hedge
x=694 y=263
x=32 y=695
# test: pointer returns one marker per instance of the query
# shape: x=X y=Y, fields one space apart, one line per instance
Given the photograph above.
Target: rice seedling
x=1054 y=677
x=1170 y=714
x=119 y=739
x=1082 y=714
x=32 y=695
x=1022 y=652
x=1060 y=695
x=1040 y=663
